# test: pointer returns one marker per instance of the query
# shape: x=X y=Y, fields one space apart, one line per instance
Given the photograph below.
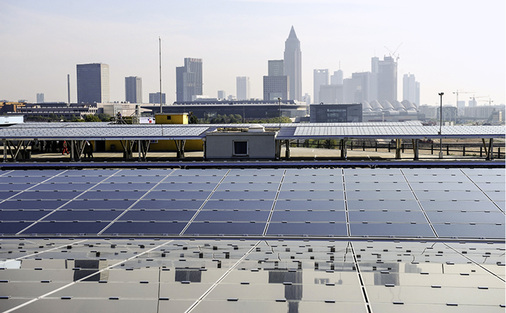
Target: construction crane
x=457 y=92
x=489 y=99
x=394 y=54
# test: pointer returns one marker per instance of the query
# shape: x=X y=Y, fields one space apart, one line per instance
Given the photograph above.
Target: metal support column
x=287 y=150
x=484 y=148
x=72 y=151
x=5 y=149
x=415 y=149
x=139 y=149
x=398 y=143
x=491 y=149
x=344 y=153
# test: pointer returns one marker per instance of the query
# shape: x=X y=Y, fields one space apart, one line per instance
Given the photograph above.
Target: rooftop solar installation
x=102 y=131
x=249 y=240
x=340 y=203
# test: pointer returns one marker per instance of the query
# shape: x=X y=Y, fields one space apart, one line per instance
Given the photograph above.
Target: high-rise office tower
x=133 y=89
x=189 y=80
x=276 y=68
x=337 y=78
x=387 y=80
x=320 y=78
x=276 y=85
x=293 y=65
x=154 y=98
x=93 y=83
x=40 y=98
x=242 y=86
x=410 y=89
x=222 y=95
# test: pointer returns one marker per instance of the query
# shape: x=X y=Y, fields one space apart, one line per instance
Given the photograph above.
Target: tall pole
x=279 y=112
x=440 y=124
x=68 y=89
x=160 y=69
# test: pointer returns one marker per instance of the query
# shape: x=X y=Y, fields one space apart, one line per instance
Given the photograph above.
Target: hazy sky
x=448 y=44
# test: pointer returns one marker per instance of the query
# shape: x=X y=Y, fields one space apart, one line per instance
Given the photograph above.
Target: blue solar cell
x=228 y=215
x=468 y=230
x=90 y=180
x=380 y=205
x=176 y=204
x=24 y=215
x=158 y=215
x=311 y=194
x=184 y=186
x=237 y=228
x=316 y=205
x=379 y=194
x=47 y=195
x=212 y=180
x=256 y=172
x=104 y=204
x=61 y=187
x=388 y=216
x=89 y=228
x=394 y=229
x=313 y=216
x=137 y=179
x=179 y=194
x=84 y=215
x=13 y=227
x=434 y=205
x=337 y=186
x=31 y=204
x=24 y=180
x=157 y=228
x=451 y=216
x=14 y=187
x=310 y=229
x=444 y=195
x=247 y=186
x=251 y=195
x=114 y=195
x=7 y=194
x=240 y=205
x=123 y=186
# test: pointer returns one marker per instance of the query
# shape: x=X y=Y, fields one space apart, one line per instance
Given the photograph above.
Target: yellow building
x=163 y=145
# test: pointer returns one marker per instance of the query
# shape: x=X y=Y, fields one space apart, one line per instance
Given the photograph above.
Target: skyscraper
x=293 y=65
x=93 y=83
x=410 y=89
x=40 y=98
x=320 y=78
x=337 y=78
x=222 y=95
x=154 y=97
x=387 y=80
x=189 y=80
x=276 y=85
x=133 y=89
x=242 y=86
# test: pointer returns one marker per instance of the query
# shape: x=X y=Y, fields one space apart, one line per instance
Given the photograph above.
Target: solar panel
x=309 y=202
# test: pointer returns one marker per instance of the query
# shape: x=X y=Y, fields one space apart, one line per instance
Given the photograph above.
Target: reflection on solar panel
x=449 y=203
x=232 y=240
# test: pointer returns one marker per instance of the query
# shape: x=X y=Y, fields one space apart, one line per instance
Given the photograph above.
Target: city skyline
x=464 y=52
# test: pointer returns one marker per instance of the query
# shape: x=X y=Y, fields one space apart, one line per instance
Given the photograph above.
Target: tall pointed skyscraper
x=293 y=65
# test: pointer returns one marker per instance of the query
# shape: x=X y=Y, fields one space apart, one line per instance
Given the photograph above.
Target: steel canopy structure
x=19 y=136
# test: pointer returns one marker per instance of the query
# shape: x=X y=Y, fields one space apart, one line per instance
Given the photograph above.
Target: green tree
x=92 y=118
